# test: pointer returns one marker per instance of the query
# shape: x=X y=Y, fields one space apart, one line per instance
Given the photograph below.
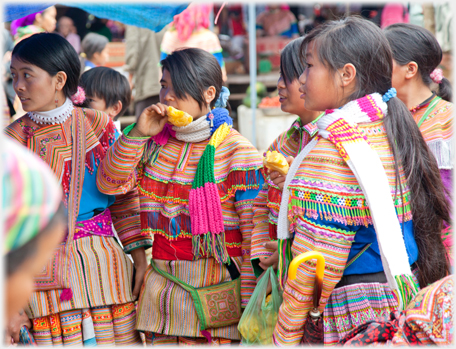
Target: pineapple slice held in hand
x=178 y=118
x=275 y=161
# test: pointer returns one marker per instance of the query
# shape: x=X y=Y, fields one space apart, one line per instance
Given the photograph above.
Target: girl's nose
x=18 y=85
x=302 y=78
x=168 y=96
x=281 y=83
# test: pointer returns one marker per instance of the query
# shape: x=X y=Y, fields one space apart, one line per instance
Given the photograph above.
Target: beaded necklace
x=54 y=116
x=422 y=104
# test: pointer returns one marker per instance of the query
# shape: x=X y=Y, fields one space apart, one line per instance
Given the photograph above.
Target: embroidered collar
x=55 y=116
x=311 y=128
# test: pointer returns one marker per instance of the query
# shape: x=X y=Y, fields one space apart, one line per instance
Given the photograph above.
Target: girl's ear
x=115 y=109
x=412 y=70
x=347 y=74
x=209 y=94
x=38 y=18
x=60 y=80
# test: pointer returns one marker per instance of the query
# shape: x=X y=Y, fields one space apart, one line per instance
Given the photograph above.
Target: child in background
x=421 y=85
x=94 y=51
x=289 y=143
x=366 y=193
x=106 y=90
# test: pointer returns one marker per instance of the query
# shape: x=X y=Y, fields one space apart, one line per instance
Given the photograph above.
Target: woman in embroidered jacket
x=196 y=200
x=427 y=93
x=346 y=194
x=87 y=296
x=289 y=143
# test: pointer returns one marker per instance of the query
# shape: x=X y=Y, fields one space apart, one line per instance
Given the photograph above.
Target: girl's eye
x=13 y=75
x=163 y=86
x=27 y=75
x=90 y=100
x=308 y=65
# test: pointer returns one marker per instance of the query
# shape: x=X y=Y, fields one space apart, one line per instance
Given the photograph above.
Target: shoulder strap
x=429 y=109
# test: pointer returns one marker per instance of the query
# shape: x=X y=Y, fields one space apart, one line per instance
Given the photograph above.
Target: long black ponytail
x=360 y=42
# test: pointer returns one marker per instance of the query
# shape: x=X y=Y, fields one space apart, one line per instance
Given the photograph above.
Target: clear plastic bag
x=260 y=316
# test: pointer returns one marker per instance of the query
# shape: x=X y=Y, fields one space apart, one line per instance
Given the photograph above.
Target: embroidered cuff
x=137 y=244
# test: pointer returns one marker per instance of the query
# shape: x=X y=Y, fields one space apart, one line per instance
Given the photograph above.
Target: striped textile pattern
x=325 y=188
x=153 y=339
x=164 y=193
x=112 y=325
x=267 y=204
x=353 y=305
x=53 y=144
x=437 y=131
x=165 y=307
x=100 y=274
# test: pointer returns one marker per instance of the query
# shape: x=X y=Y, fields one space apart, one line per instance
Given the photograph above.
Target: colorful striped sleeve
x=260 y=232
x=243 y=204
x=334 y=241
x=126 y=219
x=119 y=169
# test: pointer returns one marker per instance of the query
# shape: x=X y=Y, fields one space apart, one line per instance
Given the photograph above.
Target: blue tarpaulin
x=153 y=16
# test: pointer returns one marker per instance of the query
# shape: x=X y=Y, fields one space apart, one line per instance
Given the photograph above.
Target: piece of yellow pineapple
x=179 y=118
x=275 y=161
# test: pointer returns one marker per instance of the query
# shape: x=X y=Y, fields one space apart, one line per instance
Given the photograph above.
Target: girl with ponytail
x=421 y=85
x=366 y=192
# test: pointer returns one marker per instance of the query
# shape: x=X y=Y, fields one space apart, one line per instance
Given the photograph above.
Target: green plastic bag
x=260 y=316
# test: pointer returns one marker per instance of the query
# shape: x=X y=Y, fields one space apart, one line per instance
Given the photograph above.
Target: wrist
x=139 y=256
x=136 y=133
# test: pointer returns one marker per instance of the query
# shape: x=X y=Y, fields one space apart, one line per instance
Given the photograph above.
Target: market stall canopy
x=153 y=16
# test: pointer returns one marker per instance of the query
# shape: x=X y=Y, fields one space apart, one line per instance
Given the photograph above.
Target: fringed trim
x=329 y=212
x=349 y=211
x=164 y=192
x=155 y=222
x=406 y=290
x=108 y=137
x=210 y=245
x=94 y=157
x=179 y=193
x=443 y=151
x=182 y=234
x=274 y=198
x=233 y=244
